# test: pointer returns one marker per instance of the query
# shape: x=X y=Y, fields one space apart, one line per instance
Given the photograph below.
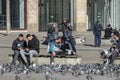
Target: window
x=2 y=14
x=17 y=14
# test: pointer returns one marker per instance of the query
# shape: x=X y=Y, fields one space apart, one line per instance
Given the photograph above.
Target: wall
x=81 y=15
x=32 y=15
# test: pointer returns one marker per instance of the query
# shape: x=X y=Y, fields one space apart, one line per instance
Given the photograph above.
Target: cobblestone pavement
x=11 y=76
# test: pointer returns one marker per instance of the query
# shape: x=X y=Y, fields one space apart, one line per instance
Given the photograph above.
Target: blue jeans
x=98 y=40
x=30 y=53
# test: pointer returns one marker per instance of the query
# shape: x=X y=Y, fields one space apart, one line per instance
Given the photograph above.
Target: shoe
x=52 y=63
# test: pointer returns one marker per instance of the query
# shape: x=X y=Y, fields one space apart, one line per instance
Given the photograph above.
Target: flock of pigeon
x=77 y=70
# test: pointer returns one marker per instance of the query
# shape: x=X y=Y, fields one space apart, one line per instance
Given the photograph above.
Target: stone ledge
x=58 y=60
x=117 y=60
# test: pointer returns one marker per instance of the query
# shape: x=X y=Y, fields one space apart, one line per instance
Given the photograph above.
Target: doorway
x=53 y=11
x=98 y=10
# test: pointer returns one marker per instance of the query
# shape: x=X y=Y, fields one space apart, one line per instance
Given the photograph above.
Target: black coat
x=97 y=29
x=19 y=44
x=34 y=44
x=64 y=26
x=108 y=33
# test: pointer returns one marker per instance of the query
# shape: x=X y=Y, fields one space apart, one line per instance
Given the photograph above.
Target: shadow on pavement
x=91 y=45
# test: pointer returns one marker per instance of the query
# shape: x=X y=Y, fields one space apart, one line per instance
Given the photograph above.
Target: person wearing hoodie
x=18 y=45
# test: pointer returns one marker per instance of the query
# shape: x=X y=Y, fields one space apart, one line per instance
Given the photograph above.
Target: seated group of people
x=114 y=50
x=22 y=48
x=59 y=46
x=64 y=44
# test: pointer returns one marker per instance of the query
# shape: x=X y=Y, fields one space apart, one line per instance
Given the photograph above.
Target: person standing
x=18 y=45
x=69 y=37
x=97 y=33
x=64 y=26
x=51 y=32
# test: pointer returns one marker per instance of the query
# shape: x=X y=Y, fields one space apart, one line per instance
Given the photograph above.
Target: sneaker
x=52 y=63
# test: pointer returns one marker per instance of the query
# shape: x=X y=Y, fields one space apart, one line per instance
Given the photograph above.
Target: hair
x=20 y=35
x=28 y=35
x=109 y=25
x=98 y=21
x=59 y=38
x=116 y=33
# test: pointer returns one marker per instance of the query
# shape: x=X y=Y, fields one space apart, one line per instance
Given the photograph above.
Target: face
x=115 y=37
x=53 y=25
x=65 y=20
x=29 y=38
x=69 y=24
x=20 y=38
x=58 y=40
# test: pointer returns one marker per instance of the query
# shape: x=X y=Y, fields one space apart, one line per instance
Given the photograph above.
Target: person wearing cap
x=18 y=45
x=115 y=47
x=97 y=33
x=32 y=48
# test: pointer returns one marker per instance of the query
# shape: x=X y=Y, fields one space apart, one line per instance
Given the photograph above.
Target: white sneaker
x=52 y=63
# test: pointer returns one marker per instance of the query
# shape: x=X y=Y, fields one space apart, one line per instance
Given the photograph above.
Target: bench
x=117 y=60
x=59 y=59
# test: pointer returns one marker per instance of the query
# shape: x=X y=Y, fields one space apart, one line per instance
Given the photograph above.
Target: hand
x=27 y=49
x=54 y=54
x=114 y=46
x=20 y=49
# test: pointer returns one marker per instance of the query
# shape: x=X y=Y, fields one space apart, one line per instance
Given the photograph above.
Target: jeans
x=72 y=44
x=16 y=57
x=30 y=53
x=51 y=50
x=113 y=56
x=98 y=40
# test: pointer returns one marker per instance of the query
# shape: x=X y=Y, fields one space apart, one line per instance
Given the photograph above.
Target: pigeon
x=48 y=76
x=17 y=77
x=89 y=77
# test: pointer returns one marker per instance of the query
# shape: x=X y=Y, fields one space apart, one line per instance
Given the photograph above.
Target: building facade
x=34 y=15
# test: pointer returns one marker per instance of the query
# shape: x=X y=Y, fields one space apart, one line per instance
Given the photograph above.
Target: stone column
x=32 y=15
x=81 y=15
x=115 y=10
x=8 y=16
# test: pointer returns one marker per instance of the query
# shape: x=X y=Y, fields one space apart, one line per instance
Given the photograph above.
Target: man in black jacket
x=97 y=33
x=18 y=45
x=64 y=26
x=33 y=48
